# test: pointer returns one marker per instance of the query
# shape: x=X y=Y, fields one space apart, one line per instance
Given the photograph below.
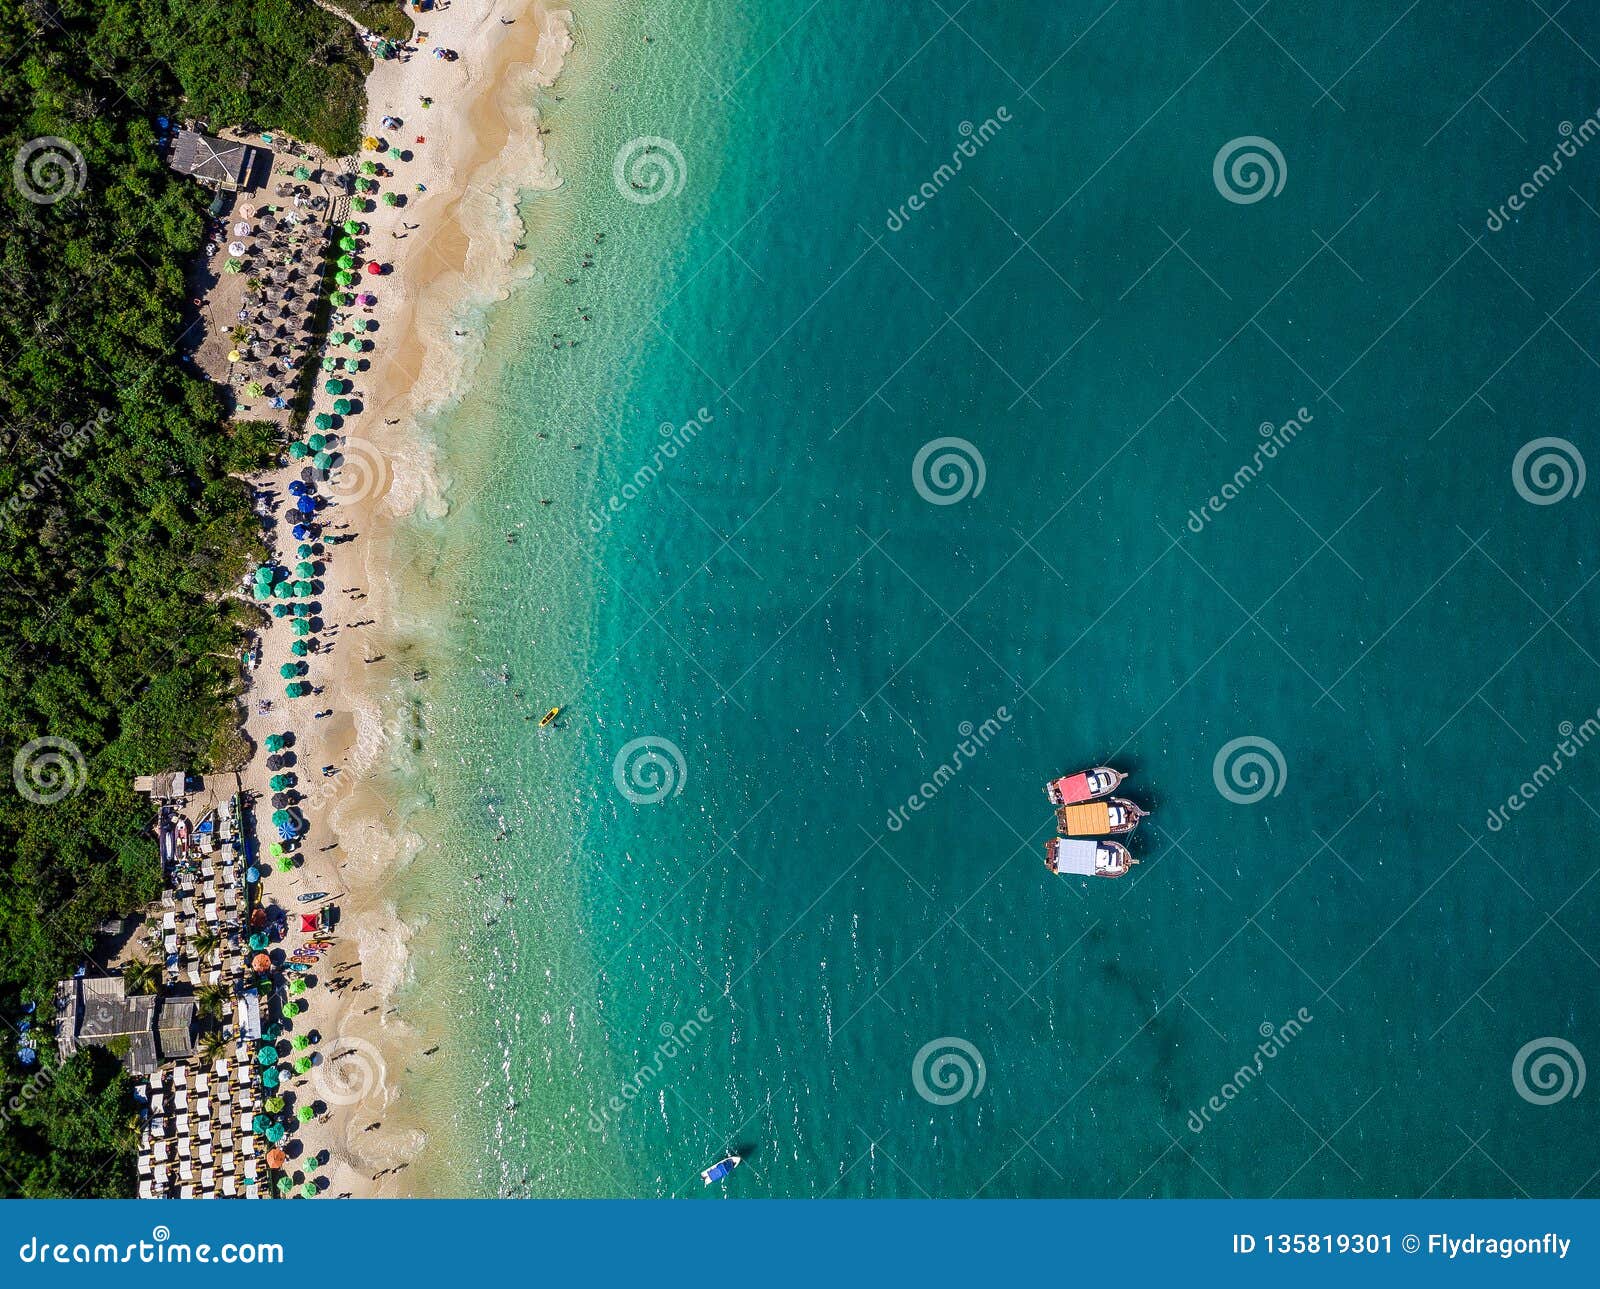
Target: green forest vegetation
x=122 y=523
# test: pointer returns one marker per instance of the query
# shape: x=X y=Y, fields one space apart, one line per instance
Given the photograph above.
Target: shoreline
x=483 y=149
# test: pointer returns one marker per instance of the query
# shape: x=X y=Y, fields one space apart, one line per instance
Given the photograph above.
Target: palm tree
x=211 y=999
x=206 y=943
x=213 y=1045
x=141 y=976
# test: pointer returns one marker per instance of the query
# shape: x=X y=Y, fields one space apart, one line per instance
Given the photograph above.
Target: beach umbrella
x=279 y=782
x=275 y=850
x=267 y=1056
x=300 y=532
x=300 y=1042
x=322 y=420
x=369 y=167
x=374 y=267
x=342 y=406
x=343 y=277
x=259 y=941
x=318 y=441
x=305 y=550
x=279 y=818
x=286 y=831
x=306 y=505
x=281 y=590
x=261 y=963
x=371 y=145
x=351 y=226
x=389 y=199
x=305 y=569
x=299 y=648
x=302 y=589
x=303 y=1065
x=275 y=1159
x=300 y=627
x=262 y=591
x=395 y=154
x=298 y=451
x=286 y=865
x=264 y=571
x=297 y=986
x=273 y=742
x=285 y=1185
x=330 y=363
x=260 y=1123
x=324 y=461
x=291 y=1009
x=275 y=762
x=344 y=299
x=287 y=670
x=252 y=875
x=347 y=243
x=258 y=917
x=334 y=386
x=233 y=355
x=309 y=1190
x=276 y=1132
x=352 y=365
x=346 y=261
x=280 y=610
x=367 y=299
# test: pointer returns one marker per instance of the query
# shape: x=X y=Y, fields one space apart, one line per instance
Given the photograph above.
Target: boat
x=549 y=717
x=1108 y=818
x=1087 y=858
x=720 y=1169
x=312 y=895
x=1085 y=785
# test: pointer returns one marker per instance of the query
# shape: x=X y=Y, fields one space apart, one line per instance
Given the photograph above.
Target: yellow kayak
x=549 y=716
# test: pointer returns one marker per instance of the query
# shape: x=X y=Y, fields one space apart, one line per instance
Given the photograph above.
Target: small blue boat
x=720 y=1169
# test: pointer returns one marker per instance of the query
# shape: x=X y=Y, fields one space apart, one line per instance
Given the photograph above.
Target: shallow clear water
x=756 y=960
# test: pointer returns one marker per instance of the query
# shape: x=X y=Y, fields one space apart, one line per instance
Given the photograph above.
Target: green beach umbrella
x=287 y=670
x=343 y=299
x=278 y=782
x=300 y=1042
x=299 y=648
x=339 y=337
x=305 y=550
x=309 y=1190
x=291 y=1009
x=264 y=572
x=297 y=986
x=323 y=422
x=347 y=243
x=389 y=199
x=360 y=324
x=342 y=406
x=305 y=569
x=302 y=589
x=266 y=1056
x=346 y=261
x=395 y=154
x=324 y=461
x=285 y=1185
x=369 y=167
x=329 y=363
x=316 y=443
x=259 y=941
x=352 y=365
x=274 y=1105
x=298 y=451
x=286 y=865
x=279 y=818
x=334 y=386
x=275 y=850
x=303 y=1065
x=260 y=1123
x=279 y=610
x=352 y=227
x=301 y=627
x=274 y=742
x=262 y=591
x=276 y=1133
x=344 y=277
x=281 y=591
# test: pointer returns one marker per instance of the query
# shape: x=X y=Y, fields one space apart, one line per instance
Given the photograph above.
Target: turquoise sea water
x=757 y=960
